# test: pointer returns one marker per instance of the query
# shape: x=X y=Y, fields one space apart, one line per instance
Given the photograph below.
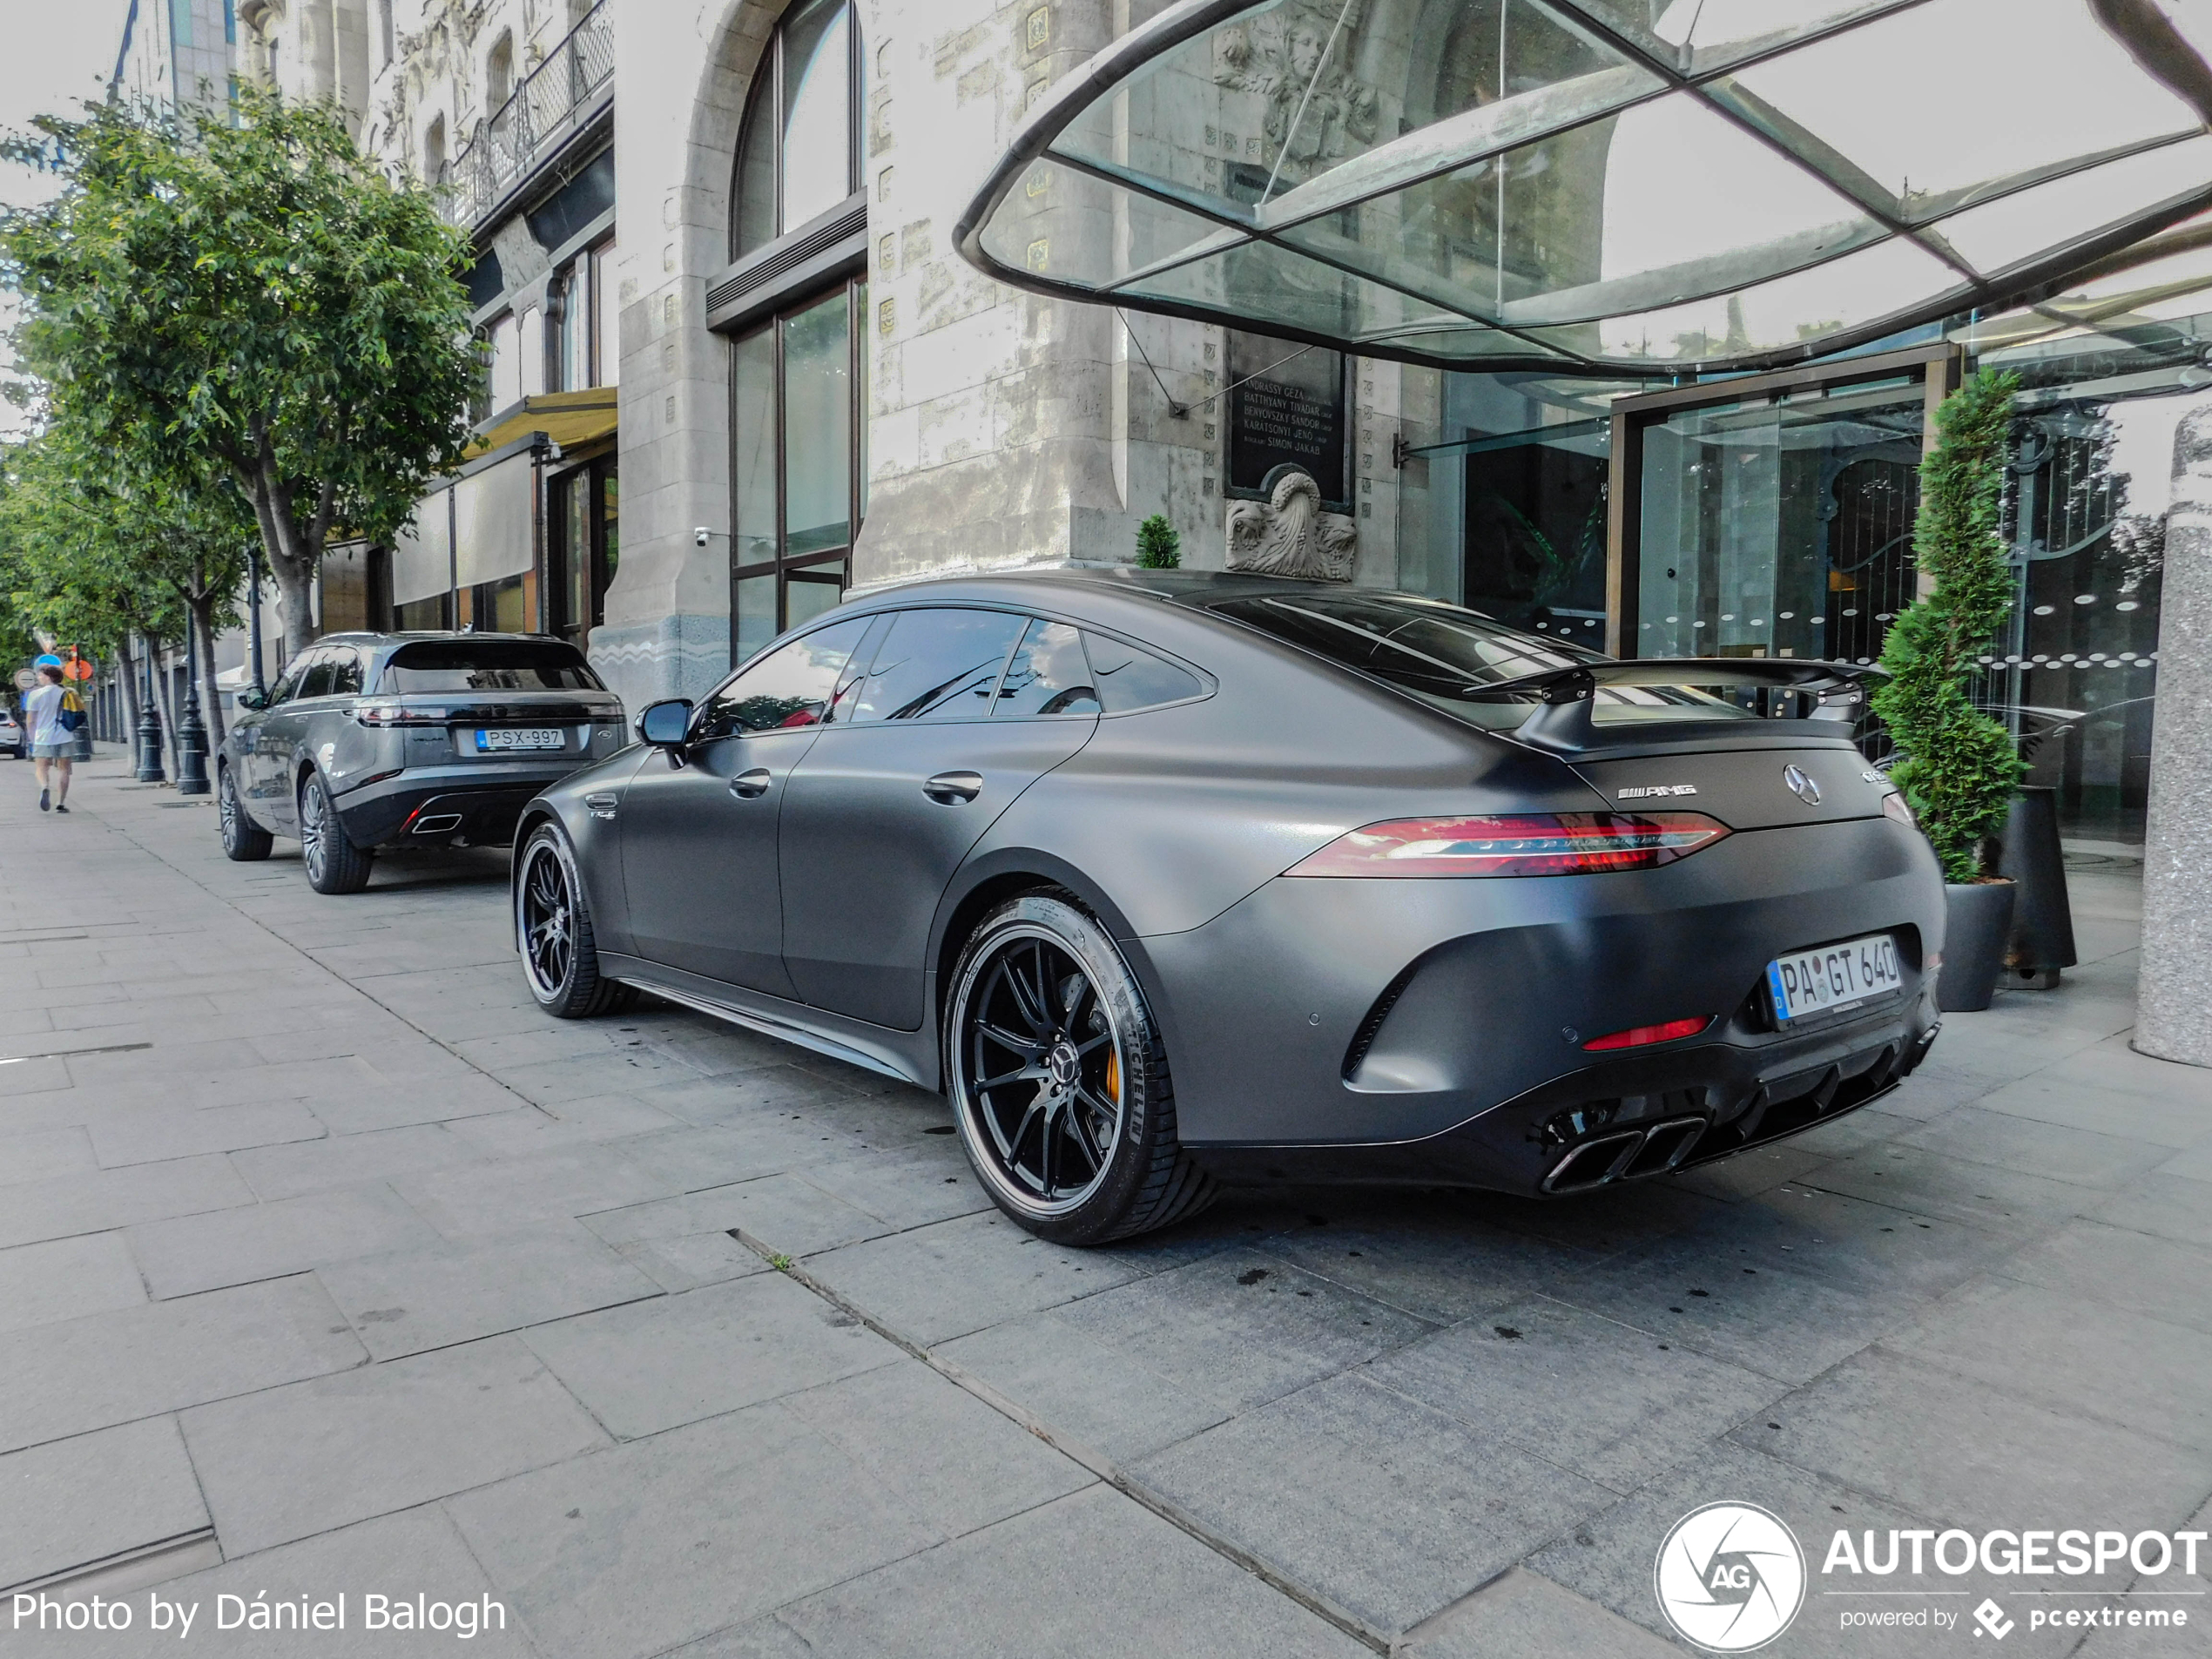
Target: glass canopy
x=1601 y=186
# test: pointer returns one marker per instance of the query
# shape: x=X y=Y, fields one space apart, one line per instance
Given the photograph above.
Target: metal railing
x=540 y=113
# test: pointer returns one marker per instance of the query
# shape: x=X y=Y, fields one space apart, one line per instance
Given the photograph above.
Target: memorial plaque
x=1290 y=410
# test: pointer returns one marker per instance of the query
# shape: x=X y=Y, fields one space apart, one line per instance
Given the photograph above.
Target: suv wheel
x=335 y=864
x=1059 y=1080
x=244 y=841
x=553 y=933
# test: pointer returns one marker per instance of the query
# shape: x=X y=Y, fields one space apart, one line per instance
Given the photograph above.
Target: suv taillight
x=398 y=714
x=1515 y=844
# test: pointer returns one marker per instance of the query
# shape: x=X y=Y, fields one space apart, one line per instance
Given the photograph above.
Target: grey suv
x=416 y=739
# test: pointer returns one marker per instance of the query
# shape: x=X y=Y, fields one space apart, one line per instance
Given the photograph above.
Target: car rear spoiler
x=1565 y=697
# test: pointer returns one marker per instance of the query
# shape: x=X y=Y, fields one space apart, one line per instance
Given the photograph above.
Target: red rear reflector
x=1637 y=1035
x=1515 y=844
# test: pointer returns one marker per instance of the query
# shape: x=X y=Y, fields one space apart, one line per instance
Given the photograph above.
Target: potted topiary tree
x=1957 y=765
x=1158 y=547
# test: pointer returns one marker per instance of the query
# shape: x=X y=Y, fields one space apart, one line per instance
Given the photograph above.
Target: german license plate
x=506 y=739
x=1834 y=977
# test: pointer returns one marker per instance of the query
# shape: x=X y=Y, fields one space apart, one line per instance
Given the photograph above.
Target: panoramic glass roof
x=1602 y=186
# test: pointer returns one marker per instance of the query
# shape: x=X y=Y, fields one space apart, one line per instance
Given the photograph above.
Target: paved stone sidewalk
x=328 y=1263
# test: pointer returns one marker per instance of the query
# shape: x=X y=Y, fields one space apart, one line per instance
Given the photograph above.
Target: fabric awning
x=1601 y=186
x=494 y=533
x=568 y=418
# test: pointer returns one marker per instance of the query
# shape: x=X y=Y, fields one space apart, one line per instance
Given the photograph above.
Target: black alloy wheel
x=335 y=864
x=1059 y=1082
x=244 y=841
x=553 y=933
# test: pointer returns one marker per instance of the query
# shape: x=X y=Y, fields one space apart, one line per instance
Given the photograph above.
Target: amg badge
x=1644 y=792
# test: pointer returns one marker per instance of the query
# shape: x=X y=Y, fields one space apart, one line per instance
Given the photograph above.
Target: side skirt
x=853 y=1047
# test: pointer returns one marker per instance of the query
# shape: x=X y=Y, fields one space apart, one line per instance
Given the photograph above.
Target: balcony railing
x=544 y=110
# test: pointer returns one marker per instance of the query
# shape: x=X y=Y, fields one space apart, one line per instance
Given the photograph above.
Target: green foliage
x=1959 y=768
x=1159 y=548
x=253 y=306
x=89 y=557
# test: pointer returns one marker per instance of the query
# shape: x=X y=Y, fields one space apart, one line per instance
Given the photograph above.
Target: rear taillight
x=1901 y=809
x=1637 y=1036
x=1515 y=844
x=399 y=714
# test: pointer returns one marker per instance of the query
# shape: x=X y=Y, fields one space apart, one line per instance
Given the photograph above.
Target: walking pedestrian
x=53 y=736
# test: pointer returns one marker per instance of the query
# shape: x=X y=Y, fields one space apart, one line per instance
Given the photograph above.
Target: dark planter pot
x=1976 y=926
x=2042 y=940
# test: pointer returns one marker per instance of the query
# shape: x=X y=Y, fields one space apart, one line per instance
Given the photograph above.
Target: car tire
x=1059 y=1079
x=553 y=933
x=244 y=841
x=334 y=865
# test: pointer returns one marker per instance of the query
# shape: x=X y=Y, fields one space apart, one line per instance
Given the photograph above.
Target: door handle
x=752 y=784
x=954 y=788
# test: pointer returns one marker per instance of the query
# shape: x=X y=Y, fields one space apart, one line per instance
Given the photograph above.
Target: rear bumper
x=441 y=806
x=1432 y=1031
x=1627 y=1119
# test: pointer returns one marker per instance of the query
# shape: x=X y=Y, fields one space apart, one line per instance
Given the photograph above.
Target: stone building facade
x=737 y=364
x=997 y=428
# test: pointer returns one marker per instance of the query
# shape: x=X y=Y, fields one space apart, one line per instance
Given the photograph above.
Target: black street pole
x=254 y=613
x=150 y=769
x=191 y=731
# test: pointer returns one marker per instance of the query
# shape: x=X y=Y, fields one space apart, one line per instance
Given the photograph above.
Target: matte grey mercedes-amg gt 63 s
x=1168 y=879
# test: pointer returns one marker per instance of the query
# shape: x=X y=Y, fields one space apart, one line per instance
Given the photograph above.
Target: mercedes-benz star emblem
x=1801 y=786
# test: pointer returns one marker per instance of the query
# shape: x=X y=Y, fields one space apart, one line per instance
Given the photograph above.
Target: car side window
x=791 y=686
x=316 y=681
x=288 y=681
x=1127 y=678
x=346 y=671
x=1049 y=674
x=938 y=664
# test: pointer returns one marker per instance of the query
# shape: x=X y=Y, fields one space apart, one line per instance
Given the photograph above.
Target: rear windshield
x=1446 y=656
x=489 y=665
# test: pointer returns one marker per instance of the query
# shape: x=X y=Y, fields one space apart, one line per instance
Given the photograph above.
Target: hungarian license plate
x=1834 y=977
x=506 y=739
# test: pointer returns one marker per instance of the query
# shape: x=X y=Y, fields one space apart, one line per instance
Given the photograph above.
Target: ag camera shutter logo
x=1730 y=1577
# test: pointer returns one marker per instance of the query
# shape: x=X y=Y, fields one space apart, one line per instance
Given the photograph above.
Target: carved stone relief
x=1277 y=56
x=1289 y=535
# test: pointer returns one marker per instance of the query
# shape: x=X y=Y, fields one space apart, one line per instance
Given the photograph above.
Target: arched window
x=434 y=152
x=499 y=73
x=799 y=392
x=799 y=152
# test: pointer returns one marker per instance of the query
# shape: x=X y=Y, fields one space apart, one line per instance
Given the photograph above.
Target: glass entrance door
x=1774 y=523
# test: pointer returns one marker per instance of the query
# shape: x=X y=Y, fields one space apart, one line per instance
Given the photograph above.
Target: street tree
x=98 y=562
x=247 y=301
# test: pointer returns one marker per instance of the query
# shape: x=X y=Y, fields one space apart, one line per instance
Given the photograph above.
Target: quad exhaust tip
x=1628 y=1155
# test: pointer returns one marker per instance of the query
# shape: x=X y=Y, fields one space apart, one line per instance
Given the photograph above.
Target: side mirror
x=665 y=724
x=250 y=699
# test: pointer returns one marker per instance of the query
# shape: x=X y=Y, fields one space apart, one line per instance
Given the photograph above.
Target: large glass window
x=799 y=151
x=798 y=381
x=584 y=507
x=506 y=364
x=606 y=319
x=1780 y=524
x=796 y=394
